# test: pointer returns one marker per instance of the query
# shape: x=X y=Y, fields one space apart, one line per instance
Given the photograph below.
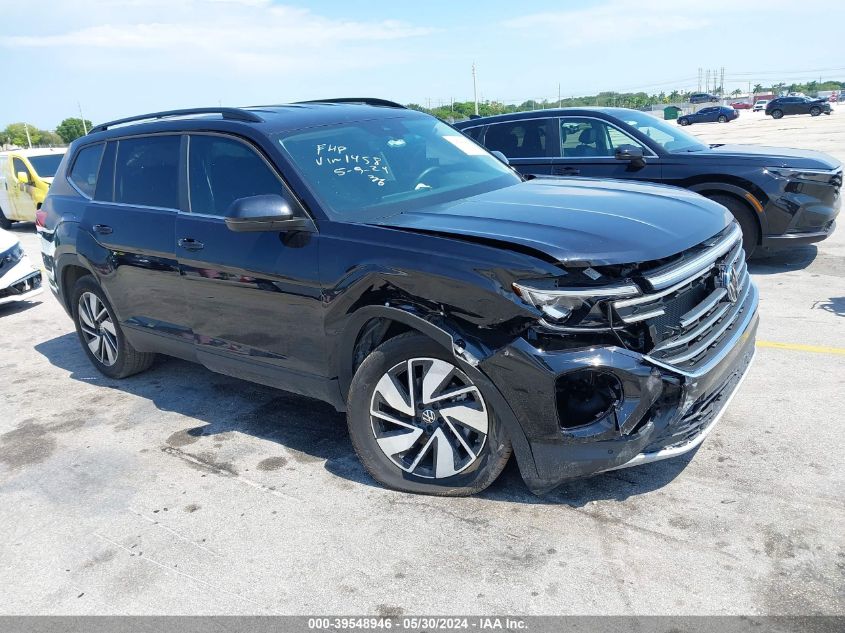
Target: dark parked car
x=703 y=97
x=711 y=114
x=375 y=258
x=780 y=197
x=781 y=106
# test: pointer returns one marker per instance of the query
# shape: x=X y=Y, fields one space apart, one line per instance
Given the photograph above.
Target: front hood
x=774 y=156
x=578 y=220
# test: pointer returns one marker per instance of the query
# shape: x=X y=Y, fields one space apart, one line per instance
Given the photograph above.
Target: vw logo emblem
x=429 y=416
x=728 y=280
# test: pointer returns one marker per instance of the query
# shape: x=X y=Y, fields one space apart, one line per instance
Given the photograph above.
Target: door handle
x=103 y=229
x=190 y=244
x=559 y=170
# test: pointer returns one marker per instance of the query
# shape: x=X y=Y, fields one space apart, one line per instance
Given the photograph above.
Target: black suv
x=780 y=197
x=375 y=258
x=776 y=108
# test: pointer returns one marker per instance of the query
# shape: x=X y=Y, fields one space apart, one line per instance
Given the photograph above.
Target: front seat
x=586 y=140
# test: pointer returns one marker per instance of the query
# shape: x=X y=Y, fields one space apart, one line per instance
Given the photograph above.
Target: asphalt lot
x=180 y=491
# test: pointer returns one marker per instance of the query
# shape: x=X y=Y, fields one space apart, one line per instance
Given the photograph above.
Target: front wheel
x=100 y=333
x=723 y=118
x=814 y=111
x=420 y=424
x=777 y=114
x=745 y=217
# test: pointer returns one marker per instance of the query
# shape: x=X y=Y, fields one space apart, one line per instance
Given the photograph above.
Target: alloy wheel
x=428 y=418
x=97 y=328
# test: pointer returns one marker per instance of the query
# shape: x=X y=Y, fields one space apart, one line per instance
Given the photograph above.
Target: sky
x=117 y=58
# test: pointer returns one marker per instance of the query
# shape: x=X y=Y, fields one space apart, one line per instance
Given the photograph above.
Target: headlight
x=13 y=255
x=808 y=175
x=574 y=307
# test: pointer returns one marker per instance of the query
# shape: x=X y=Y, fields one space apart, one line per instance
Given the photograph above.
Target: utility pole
x=707 y=80
x=700 y=70
x=474 y=89
x=722 y=83
x=28 y=139
x=559 y=102
x=82 y=116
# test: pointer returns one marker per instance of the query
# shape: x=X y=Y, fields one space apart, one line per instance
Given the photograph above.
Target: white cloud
x=243 y=35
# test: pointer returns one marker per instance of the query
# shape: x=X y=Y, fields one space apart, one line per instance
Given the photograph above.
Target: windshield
x=379 y=167
x=45 y=166
x=667 y=135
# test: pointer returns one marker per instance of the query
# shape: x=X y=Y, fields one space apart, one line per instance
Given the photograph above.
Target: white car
x=19 y=279
x=760 y=105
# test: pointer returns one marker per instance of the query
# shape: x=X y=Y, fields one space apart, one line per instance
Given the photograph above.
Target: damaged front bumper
x=20 y=283
x=653 y=411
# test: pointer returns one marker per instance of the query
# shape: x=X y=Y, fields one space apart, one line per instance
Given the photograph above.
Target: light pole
x=474 y=89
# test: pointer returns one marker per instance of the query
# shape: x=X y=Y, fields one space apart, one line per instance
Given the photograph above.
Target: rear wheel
x=5 y=223
x=815 y=111
x=101 y=335
x=683 y=121
x=420 y=424
x=777 y=114
x=745 y=217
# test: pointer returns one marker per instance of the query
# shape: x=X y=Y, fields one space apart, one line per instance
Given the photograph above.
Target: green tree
x=72 y=128
x=758 y=88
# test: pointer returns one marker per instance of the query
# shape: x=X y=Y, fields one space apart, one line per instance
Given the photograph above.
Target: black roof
x=606 y=112
x=270 y=118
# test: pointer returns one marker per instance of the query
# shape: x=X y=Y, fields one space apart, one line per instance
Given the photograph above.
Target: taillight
x=41 y=218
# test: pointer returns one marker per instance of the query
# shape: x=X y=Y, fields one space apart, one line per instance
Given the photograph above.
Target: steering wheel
x=426 y=172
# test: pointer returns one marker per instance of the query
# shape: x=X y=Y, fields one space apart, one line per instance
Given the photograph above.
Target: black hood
x=579 y=220
x=772 y=156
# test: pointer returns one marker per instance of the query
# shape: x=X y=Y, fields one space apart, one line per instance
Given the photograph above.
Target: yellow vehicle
x=25 y=177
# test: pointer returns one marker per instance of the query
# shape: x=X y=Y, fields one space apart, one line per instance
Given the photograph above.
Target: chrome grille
x=693 y=312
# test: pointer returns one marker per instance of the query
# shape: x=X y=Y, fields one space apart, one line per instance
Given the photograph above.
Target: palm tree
x=736 y=92
x=758 y=88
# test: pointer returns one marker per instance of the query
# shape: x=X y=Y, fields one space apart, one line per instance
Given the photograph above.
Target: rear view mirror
x=501 y=156
x=631 y=153
x=263 y=213
x=23 y=177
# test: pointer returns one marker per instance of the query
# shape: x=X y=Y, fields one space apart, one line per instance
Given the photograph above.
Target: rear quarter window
x=86 y=166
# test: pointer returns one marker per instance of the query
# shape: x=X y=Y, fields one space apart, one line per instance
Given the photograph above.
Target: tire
x=683 y=121
x=777 y=114
x=815 y=111
x=5 y=223
x=747 y=222
x=470 y=461
x=722 y=118
x=100 y=333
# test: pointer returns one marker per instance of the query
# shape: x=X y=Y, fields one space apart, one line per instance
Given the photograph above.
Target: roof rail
x=363 y=100
x=235 y=114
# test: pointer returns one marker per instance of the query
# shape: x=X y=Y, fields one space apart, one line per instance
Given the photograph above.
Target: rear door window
x=83 y=174
x=147 y=171
x=532 y=138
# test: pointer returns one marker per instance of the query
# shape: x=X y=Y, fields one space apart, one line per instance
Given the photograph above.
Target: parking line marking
x=816 y=349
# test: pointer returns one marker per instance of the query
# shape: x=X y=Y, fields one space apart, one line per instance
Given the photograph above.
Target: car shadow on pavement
x=309 y=430
x=14 y=307
x=834 y=305
x=797 y=258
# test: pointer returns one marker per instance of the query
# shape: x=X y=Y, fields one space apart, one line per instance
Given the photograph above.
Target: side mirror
x=630 y=153
x=23 y=177
x=501 y=156
x=263 y=213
